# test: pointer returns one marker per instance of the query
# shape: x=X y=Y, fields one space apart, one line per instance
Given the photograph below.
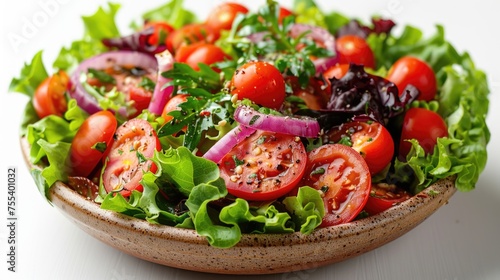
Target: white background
x=460 y=241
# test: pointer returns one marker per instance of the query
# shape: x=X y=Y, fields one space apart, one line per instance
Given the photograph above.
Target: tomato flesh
x=49 y=97
x=343 y=177
x=371 y=139
x=265 y=166
x=92 y=142
x=384 y=196
x=128 y=159
x=260 y=82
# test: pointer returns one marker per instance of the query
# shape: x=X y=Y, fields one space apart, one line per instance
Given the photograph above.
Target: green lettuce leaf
x=172 y=12
x=31 y=76
x=307 y=208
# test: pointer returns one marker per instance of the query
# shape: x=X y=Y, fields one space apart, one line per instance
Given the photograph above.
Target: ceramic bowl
x=255 y=253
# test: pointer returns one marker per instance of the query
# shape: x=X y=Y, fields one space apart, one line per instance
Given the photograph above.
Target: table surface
x=460 y=241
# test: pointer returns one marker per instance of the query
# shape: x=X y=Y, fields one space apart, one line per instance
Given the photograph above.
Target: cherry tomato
x=92 y=142
x=189 y=34
x=128 y=159
x=371 y=139
x=260 y=82
x=265 y=166
x=354 y=49
x=172 y=105
x=343 y=177
x=411 y=70
x=200 y=52
x=160 y=33
x=383 y=196
x=222 y=16
x=49 y=98
x=423 y=125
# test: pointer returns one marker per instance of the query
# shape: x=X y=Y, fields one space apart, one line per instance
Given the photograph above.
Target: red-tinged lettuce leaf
x=362 y=95
x=355 y=27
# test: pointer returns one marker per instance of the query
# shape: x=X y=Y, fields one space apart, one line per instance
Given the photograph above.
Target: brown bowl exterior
x=255 y=253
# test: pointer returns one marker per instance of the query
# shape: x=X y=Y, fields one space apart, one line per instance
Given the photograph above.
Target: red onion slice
x=303 y=126
x=103 y=61
x=227 y=142
x=162 y=93
x=320 y=35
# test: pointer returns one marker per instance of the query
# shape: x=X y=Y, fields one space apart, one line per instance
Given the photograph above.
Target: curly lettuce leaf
x=31 y=76
x=307 y=209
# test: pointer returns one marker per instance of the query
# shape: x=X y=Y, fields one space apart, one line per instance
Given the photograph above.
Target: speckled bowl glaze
x=255 y=253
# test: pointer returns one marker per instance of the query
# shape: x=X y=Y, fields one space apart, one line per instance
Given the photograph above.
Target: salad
x=273 y=120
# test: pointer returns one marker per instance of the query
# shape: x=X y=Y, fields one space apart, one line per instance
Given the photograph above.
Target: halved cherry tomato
x=423 y=125
x=260 y=82
x=92 y=142
x=172 y=105
x=383 y=196
x=341 y=174
x=160 y=33
x=49 y=98
x=265 y=166
x=222 y=16
x=200 y=52
x=128 y=159
x=189 y=34
x=411 y=70
x=371 y=139
x=354 y=49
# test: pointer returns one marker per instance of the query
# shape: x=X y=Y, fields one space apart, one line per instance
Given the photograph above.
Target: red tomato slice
x=92 y=142
x=265 y=166
x=372 y=140
x=49 y=98
x=341 y=174
x=135 y=142
x=384 y=196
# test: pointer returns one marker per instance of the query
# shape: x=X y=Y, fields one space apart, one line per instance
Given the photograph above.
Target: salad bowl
x=255 y=253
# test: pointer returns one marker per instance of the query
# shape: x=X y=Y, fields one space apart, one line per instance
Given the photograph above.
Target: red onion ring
x=227 y=142
x=303 y=126
x=162 y=93
x=103 y=61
